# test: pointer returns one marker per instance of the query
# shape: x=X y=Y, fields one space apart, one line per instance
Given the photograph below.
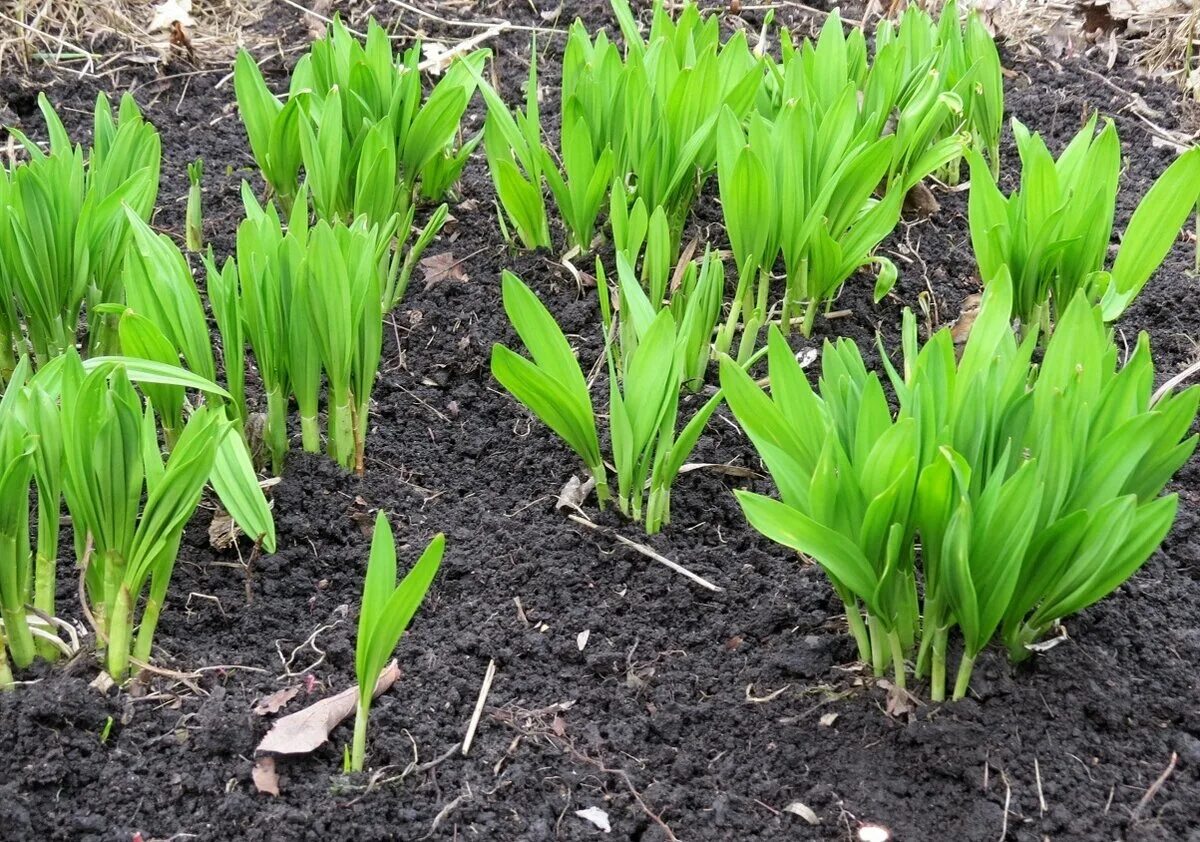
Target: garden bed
x=683 y=711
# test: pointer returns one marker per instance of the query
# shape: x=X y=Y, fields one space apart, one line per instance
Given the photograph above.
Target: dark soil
x=705 y=713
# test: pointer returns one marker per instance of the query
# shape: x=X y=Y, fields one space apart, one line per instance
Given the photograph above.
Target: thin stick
x=475 y=24
x=443 y=60
x=1155 y=787
x=1037 y=774
x=484 y=689
x=648 y=552
x=1007 y=801
x=1173 y=382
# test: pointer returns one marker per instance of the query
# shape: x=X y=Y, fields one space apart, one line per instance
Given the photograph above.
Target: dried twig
x=648 y=552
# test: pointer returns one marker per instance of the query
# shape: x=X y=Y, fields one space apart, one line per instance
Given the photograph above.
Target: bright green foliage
x=1034 y=489
x=62 y=233
x=1052 y=234
x=922 y=60
x=387 y=609
x=802 y=186
x=194 y=220
x=642 y=125
x=551 y=384
x=650 y=355
x=17 y=449
x=308 y=302
x=846 y=474
x=516 y=159
x=357 y=122
x=342 y=282
x=128 y=507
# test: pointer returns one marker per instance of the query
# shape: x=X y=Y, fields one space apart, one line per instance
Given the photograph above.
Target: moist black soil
x=705 y=713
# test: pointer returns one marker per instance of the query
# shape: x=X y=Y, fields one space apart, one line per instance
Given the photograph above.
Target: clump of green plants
x=802 y=187
x=638 y=129
x=63 y=234
x=1033 y=491
x=308 y=302
x=959 y=57
x=387 y=609
x=652 y=353
x=359 y=125
x=1052 y=233
x=79 y=430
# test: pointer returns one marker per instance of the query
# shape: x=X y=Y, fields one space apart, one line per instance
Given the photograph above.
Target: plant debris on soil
x=624 y=696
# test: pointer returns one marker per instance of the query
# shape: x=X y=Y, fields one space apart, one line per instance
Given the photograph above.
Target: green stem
x=879 y=652
x=358 y=749
x=16 y=627
x=159 y=580
x=341 y=432
x=810 y=316
x=45 y=569
x=276 y=433
x=859 y=630
x=937 y=680
x=6 y=676
x=897 y=650
x=120 y=634
x=310 y=433
x=963 y=681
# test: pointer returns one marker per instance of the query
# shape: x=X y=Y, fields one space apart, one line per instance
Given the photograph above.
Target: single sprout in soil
x=387 y=609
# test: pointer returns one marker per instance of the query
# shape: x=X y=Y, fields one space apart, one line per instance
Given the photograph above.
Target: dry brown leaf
x=277 y=701
x=223 y=532
x=920 y=202
x=441 y=267
x=574 y=493
x=961 y=329
x=308 y=729
x=266 y=779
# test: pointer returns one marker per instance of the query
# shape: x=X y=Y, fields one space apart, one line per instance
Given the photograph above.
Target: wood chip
x=799 y=808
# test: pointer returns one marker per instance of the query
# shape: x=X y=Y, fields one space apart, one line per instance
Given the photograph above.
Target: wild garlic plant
x=1035 y=490
x=63 y=234
x=651 y=354
x=633 y=128
x=1052 y=234
x=359 y=125
x=79 y=430
x=387 y=609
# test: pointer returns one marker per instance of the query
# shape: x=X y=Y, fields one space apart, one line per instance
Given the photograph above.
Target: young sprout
x=651 y=354
x=387 y=609
x=194 y=221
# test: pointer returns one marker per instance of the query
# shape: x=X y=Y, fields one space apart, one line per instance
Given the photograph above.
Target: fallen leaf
x=900 y=702
x=441 y=267
x=961 y=329
x=574 y=493
x=223 y=532
x=597 y=817
x=308 y=729
x=828 y=719
x=799 y=808
x=581 y=639
x=277 y=701
x=559 y=725
x=266 y=779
